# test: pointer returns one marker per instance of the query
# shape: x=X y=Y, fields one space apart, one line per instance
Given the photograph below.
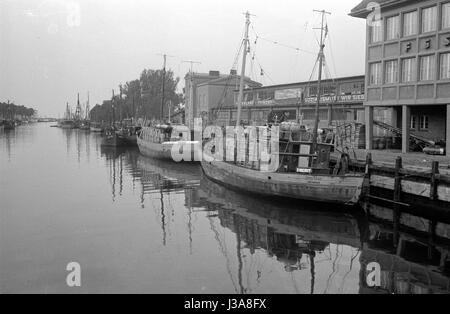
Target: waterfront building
x=408 y=67
x=342 y=100
x=206 y=91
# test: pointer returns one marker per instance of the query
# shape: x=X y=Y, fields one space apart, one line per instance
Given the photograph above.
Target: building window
x=375 y=73
x=391 y=72
x=427 y=68
x=446 y=15
x=376 y=32
x=429 y=19
x=424 y=122
x=410 y=23
x=413 y=123
x=445 y=66
x=392 y=27
x=408 y=70
x=329 y=90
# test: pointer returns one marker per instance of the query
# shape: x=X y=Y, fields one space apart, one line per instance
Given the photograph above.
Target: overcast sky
x=52 y=49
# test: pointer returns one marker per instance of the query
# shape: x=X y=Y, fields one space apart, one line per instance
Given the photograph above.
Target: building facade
x=342 y=100
x=206 y=91
x=408 y=67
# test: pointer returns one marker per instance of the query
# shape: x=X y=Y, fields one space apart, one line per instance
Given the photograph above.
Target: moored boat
x=67 y=124
x=299 y=168
x=129 y=135
x=161 y=141
x=111 y=139
x=84 y=126
x=9 y=125
x=96 y=127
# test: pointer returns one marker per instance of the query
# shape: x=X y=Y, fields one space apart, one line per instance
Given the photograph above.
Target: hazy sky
x=52 y=49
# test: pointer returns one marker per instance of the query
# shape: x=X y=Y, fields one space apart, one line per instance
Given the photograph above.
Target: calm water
x=137 y=225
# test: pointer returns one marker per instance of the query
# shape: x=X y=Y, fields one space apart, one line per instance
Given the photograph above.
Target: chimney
x=214 y=73
x=233 y=72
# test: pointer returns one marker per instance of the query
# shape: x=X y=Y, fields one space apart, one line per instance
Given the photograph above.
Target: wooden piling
x=397 y=198
x=434 y=180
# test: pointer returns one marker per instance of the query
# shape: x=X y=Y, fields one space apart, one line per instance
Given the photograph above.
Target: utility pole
x=323 y=34
x=244 y=59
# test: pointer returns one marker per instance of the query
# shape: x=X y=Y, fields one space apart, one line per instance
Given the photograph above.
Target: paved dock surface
x=419 y=161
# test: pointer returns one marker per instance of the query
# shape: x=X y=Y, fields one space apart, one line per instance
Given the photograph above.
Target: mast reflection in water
x=140 y=225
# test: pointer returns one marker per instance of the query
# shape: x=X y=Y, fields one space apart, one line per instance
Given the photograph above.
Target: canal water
x=137 y=225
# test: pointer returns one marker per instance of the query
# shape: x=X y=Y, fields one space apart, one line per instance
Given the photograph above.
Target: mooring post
x=397 y=198
x=434 y=180
x=431 y=238
x=366 y=182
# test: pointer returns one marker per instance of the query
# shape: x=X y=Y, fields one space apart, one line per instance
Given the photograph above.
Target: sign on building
x=291 y=93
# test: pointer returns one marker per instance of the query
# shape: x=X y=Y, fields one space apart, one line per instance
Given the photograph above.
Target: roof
x=291 y=85
x=228 y=79
x=361 y=10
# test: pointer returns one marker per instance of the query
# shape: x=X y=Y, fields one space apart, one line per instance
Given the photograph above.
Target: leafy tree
x=141 y=98
x=8 y=111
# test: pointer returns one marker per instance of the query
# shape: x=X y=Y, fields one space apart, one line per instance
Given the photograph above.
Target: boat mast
x=169 y=105
x=319 y=81
x=88 y=108
x=78 y=110
x=244 y=59
x=163 y=87
x=113 y=111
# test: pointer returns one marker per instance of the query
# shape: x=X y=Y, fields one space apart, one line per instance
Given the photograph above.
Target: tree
x=9 y=110
x=141 y=98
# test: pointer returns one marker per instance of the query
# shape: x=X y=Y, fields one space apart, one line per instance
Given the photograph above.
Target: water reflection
x=144 y=225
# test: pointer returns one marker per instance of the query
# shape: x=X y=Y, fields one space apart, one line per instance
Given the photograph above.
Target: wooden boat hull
x=96 y=130
x=112 y=141
x=162 y=150
x=130 y=140
x=154 y=150
x=320 y=188
x=9 y=125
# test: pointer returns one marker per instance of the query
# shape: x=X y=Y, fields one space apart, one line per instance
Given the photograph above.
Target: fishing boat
x=160 y=140
x=111 y=139
x=84 y=125
x=67 y=124
x=96 y=127
x=304 y=170
x=9 y=125
x=129 y=134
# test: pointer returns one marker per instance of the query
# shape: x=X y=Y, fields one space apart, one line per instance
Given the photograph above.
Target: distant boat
x=96 y=127
x=111 y=139
x=67 y=124
x=9 y=125
x=84 y=126
x=158 y=141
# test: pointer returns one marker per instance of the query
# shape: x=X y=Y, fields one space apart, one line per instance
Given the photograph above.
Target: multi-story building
x=342 y=100
x=408 y=67
x=206 y=91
